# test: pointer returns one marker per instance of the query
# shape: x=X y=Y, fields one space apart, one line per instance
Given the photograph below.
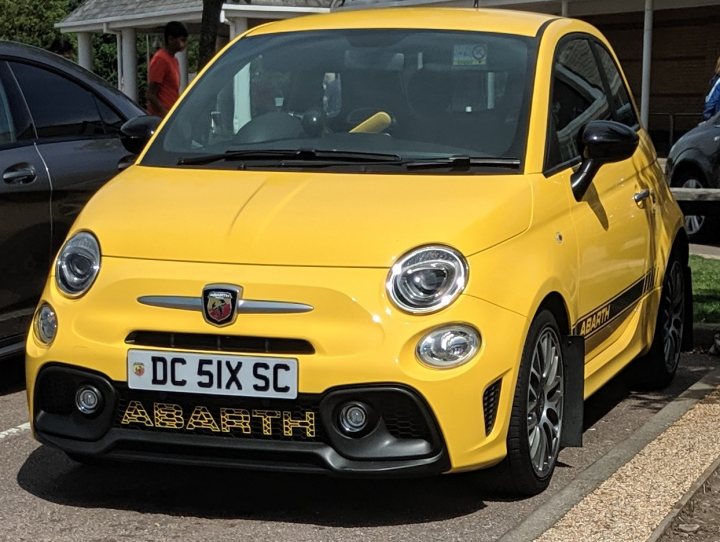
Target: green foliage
x=706 y=289
x=31 y=22
x=105 y=57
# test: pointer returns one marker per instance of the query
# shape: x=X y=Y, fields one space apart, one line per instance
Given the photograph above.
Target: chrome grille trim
x=246 y=306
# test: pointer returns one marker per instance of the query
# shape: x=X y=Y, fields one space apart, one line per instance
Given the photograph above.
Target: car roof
x=10 y=50
x=501 y=21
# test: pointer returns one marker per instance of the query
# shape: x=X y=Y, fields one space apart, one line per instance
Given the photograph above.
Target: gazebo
x=128 y=18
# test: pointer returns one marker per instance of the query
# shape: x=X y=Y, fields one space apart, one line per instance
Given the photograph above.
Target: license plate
x=214 y=374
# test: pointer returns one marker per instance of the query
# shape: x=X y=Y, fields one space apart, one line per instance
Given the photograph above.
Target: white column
x=237 y=27
x=129 y=63
x=183 y=62
x=118 y=52
x=564 y=8
x=242 y=79
x=85 y=50
x=646 y=64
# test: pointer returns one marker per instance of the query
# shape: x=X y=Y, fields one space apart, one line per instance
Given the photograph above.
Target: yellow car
x=381 y=242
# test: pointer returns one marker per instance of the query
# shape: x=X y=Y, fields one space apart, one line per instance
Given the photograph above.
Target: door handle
x=641 y=196
x=23 y=175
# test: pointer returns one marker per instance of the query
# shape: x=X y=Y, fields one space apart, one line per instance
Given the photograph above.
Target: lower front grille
x=401 y=424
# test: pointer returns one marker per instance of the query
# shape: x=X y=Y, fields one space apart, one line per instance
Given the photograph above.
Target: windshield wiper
x=290 y=154
x=462 y=163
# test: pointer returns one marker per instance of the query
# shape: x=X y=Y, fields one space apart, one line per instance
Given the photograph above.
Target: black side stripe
x=607 y=313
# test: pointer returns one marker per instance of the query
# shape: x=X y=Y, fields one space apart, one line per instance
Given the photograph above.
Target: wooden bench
x=698 y=201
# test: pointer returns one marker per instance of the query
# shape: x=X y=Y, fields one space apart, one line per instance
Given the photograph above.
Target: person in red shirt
x=164 y=71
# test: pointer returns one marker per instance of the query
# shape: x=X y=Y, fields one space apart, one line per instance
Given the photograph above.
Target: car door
x=24 y=217
x=78 y=141
x=613 y=230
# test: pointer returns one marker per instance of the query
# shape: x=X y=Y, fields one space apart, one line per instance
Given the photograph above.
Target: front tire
x=533 y=441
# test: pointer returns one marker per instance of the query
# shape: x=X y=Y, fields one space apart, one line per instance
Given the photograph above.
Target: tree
x=32 y=22
x=209 y=30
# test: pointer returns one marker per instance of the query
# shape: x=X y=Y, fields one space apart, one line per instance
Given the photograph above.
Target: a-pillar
x=85 y=50
x=129 y=63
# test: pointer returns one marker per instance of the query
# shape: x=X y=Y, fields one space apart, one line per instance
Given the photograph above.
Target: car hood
x=304 y=219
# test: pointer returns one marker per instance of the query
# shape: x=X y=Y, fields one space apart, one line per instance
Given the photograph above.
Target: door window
x=578 y=97
x=59 y=107
x=7 y=126
x=623 y=108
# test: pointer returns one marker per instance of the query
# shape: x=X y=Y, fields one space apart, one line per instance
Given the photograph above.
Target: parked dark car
x=59 y=142
x=694 y=162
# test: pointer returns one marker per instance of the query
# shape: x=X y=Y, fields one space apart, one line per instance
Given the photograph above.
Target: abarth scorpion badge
x=220 y=303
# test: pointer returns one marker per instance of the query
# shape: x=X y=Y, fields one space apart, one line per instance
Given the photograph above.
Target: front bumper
x=352 y=339
x=300 y=435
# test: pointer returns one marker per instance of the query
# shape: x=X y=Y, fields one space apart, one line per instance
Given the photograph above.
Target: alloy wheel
x=545 y=402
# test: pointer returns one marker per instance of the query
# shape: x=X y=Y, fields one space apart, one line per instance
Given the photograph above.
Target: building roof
x=93 y=15
x=104 y=15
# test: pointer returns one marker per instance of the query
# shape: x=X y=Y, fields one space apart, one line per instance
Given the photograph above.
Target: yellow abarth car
x=376 y=242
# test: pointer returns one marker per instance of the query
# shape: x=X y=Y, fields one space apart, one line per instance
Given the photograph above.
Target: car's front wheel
x=533 y=441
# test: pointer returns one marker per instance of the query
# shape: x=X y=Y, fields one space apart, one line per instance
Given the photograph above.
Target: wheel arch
x=555 y=303
x=686 y=167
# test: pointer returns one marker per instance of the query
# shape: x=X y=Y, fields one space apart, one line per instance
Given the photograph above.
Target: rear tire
x=656 y=369
x=533 y=441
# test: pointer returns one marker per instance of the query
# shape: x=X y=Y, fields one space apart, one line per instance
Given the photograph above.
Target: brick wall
x=686 y=44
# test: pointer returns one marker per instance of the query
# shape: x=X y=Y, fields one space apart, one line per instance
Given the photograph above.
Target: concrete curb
x=549 y=513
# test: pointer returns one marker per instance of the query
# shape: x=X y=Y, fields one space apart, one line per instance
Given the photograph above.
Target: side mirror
x=136 y=132
x=603 y=141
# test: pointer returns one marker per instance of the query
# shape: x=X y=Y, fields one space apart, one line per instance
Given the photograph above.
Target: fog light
x=88 y=399
x=45 y=324
x=449 y=346
x=353 y=418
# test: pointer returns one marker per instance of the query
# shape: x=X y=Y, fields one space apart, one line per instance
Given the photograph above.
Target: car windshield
x=367 y=100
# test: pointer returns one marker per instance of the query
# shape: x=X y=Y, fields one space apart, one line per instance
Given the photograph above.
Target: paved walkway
x=633 y=493
x=708 y=251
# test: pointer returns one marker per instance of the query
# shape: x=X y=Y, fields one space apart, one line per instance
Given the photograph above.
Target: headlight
x=77 y=264
x=427 y=279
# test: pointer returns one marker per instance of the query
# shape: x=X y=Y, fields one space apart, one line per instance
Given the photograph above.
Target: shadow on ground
x=219 y=493
x=13 y=375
